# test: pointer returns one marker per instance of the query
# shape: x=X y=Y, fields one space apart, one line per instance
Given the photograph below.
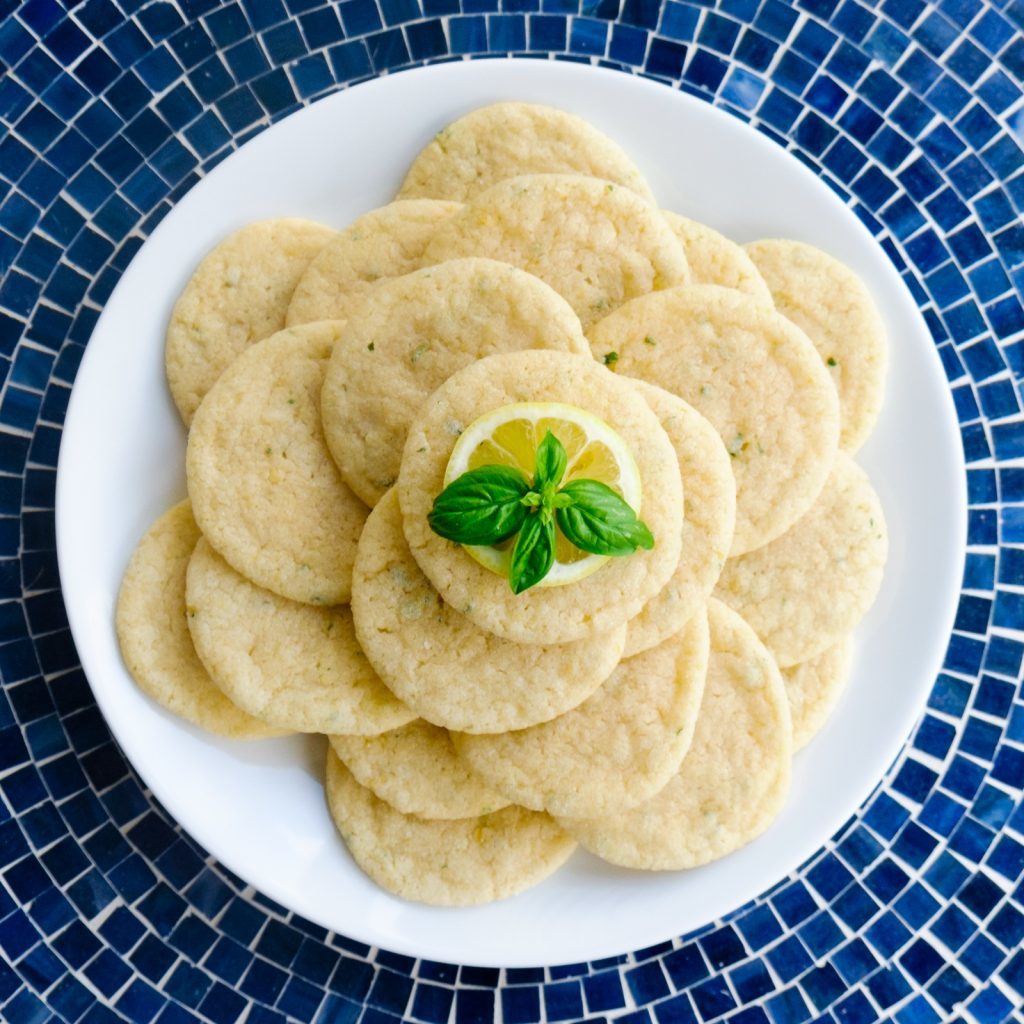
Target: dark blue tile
x=15 y=41
x=564 y=1000
x=70 y=998
x=990 y=280
x=788 y=1007
x=888 y=986
x=1007 y=858
x=992 y=30
x=360 y=17
x=759 y=926
x=776 y=19
x=751 y=981
x=712 y=998
x=474 y=1006
x=949 y=988
x=981 y=957
x=666 y=58
x=627 y=45
x=820 y=934
x=789 y=959
x=159 y=69
x=990 y=1006
x=76 y=945
x=686 y=966
x=603 y=991
x=755 y=50
x=779 y=110
x=934 y=737
x=823 y=985
x=965 y=322
x=718 y=33
x=855 y=906
x=921 y=961
x=914 y=845
x=588 y=36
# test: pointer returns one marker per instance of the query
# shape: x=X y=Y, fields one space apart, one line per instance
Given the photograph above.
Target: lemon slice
x=509 y=436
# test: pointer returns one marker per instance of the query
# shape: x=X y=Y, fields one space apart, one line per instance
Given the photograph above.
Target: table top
x=914 y=113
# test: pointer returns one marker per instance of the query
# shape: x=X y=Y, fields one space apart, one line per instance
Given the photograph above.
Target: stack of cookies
x=648 y=711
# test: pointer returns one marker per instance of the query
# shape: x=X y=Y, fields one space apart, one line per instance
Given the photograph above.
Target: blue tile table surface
x=913 y=112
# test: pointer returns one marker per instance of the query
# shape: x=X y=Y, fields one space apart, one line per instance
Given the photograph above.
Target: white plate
x=259 y=807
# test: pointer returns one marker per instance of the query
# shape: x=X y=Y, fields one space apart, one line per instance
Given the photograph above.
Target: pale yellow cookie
x=831 y=303
x=754 y=375
x=237 y=295
x=813 y=584
x=449 y=670
x=407 y=338
x=714 y=259
x=814 y=688
x=709 y=512
x=735 y=777
x=596 y=243
x=416 y=770
x=152 y=629
x=590 y=607
x=444 y=863
x=617 y=749
x=289 y=664
x=507 y=139
x=379 y=245
x=265 y=490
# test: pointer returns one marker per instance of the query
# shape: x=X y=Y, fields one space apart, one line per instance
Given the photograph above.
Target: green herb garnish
x=491 y=504
x=596 y=519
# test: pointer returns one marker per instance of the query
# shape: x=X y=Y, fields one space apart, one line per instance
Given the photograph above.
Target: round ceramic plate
x=259 y=807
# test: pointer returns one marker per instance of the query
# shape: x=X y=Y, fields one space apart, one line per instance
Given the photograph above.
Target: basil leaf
x=600 y=521
x=483 y=506
x=549 y=463
x=534 y=552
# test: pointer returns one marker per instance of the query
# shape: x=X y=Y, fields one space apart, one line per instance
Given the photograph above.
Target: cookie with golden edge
x=596 y=243
x=458 y=863
x=709 y=517
x=379 y=245
x=416 y=770
x=754 y=375
x=617 y=749
x=803 y=592
x=735 y=777
x=452 y=672
x=293 y=665
x=588 y=608
x=409 y=336
x=833 y=306
x=715 y=259
x=503 y=140
x=238 y=294
x=265 y=491
x=152 y=629
x=814 y=688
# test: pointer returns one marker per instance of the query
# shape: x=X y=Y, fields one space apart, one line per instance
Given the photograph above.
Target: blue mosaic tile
x=925 y=142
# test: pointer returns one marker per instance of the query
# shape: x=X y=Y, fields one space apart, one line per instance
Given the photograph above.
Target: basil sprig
x=598 y=520
x=483 y=506
x=492 y=504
